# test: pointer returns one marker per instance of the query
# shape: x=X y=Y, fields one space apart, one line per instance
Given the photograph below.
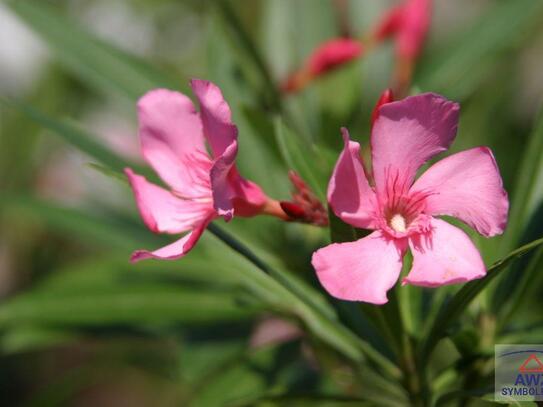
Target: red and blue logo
x=519 y=372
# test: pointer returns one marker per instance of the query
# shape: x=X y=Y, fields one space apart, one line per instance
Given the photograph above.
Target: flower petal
x=249 y=199
x=349 y=193
x=161 y=210
x=360 y=271
x=468 y=186
x=172 y=141
x=221 y=174
x=176 y=249
x=409 y=132
x=446 y=255
x=216 y=116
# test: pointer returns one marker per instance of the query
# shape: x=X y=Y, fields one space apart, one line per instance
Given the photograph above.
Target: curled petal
x=409 y=132
x=221 y=174
x=216 y=116
x=349 y=193
x=445 y=255
x=171 y=138
x=360 y=271
x=162 y=211
x=468 y=186
x=176 y=249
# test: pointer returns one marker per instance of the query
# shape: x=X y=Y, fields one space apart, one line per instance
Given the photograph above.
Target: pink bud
x=325 y=58
x=332 y=54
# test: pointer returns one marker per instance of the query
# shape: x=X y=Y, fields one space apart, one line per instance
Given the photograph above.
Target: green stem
x=239 y=247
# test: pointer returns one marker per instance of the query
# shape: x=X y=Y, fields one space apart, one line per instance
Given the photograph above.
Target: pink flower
x=408 y=23
x=327 y=57
x=203 y=187
x=401 y=210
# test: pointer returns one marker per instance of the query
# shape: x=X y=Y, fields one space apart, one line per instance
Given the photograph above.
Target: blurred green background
x=80 y=326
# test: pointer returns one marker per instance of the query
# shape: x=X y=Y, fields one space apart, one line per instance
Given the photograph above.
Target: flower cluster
x=194 y=153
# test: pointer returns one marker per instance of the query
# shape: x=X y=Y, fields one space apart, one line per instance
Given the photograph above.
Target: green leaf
x=456 y=69
x=525 y=288
x=454 y=308
x=528 y=192
x=24 y=339
x=92 y=228
x=72 y=134
x=109 y=172
x=300 y=158
x=122 y=305
x=97 y=63
x=249 y=54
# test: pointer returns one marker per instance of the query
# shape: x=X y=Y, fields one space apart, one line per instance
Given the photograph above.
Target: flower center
x=398 y=223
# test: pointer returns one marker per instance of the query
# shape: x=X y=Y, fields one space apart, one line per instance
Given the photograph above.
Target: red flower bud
x=386 y=97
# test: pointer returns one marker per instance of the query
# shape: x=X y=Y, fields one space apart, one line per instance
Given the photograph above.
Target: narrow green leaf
x=528 y=193
x=124 y=305
x=97 y=63
x=72 y=134
x=109 y=172
x=299 y=158
x=79 y=138
x=94 y=229
x=250 y=54
x=526 y=288
x=454 y=308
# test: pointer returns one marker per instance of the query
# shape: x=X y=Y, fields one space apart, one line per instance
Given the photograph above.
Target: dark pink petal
x=176 y=249
x=468 y=186
x=409 y=132
x=221 y=185
x=332 y=54
x=216 y=116
x=349 y=193
x=360 y=271
x=161 y=210
x=172 y=141
x=446 y=255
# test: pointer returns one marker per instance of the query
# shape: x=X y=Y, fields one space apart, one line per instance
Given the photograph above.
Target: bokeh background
x=79 y=325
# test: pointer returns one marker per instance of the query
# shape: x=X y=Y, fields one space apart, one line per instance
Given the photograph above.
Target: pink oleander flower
x=327 y=57
x=203 y=186
x=402 y=211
